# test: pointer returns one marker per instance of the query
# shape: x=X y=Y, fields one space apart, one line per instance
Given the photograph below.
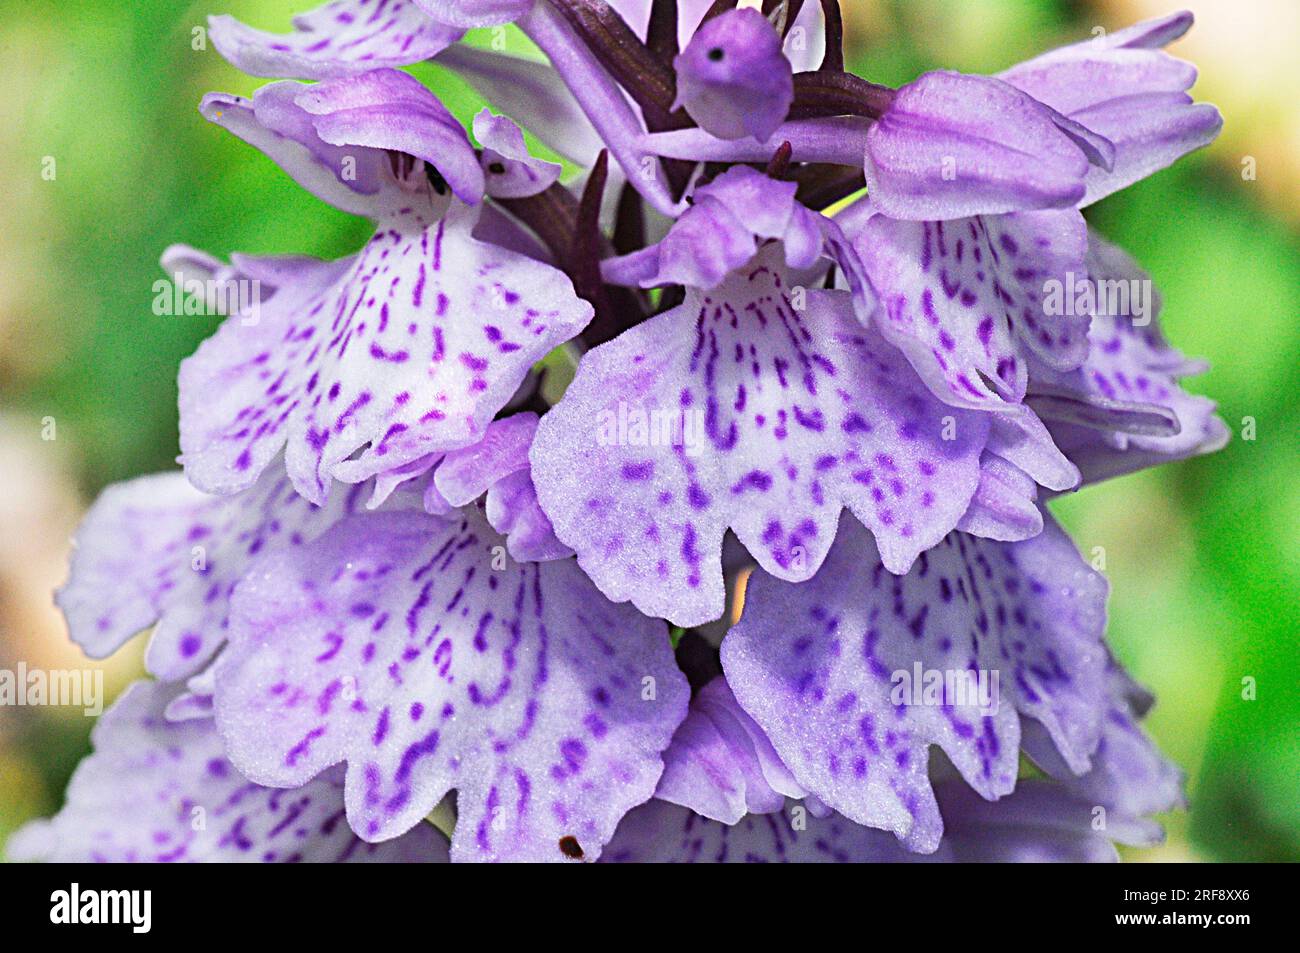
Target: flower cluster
x=772 y=577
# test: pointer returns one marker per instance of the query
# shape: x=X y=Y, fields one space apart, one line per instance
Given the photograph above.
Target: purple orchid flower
x=441 y=499
x=761 y=406
x=408 y=348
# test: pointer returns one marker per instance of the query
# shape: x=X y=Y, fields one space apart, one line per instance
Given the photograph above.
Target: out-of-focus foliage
x=1202 y=556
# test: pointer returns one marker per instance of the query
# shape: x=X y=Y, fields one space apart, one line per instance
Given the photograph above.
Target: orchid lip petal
x=408 y=349
x=776 y=418
x=157 y=552
x=163 y=791
x=832 y=653
x=393 y=645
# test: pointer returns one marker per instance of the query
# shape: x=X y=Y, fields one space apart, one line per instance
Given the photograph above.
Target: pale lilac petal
x=952 y=146
x=1038 y=823
x=513 y=511
x=1128 y=775
x=1100 y=458
x=840 y=140
x=224 y=288
x=1003 y=507
x=408 y=349
x=394 y=644
x=965 y=299
x=354 y=180
x=196 y=701
x=815 y=665
x=531 y=88
x=1127 y=388
x=1022 y=439
x=157 y=552
x=805 y=43
x=1089 y=77
x=720 y=763
x=752 y=416
x=705 y=245
x=498 y=466
x=337 y=39
x=465 y=475
x=190 y=707
x=1019 y=456
x=1124 y=88
x=510 y=171
x=733 y=78
x=1150 y=133
x=156 y=790
x=1147 y=35
x=392 y=111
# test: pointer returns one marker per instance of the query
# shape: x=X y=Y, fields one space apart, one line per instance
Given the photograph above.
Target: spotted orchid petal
x=156 y=552
x=1038 y=823
x=721 y=765
x=1129 y=778
x=393 y=644
x=738 y=410
x=511 y=172
x=733 y=78
x=158 y=791
x=1124 y=88
x=824 y=669
x=410 y=349
x=966 y=299
x=338 y=39
x=1127 y=389
x=952 y=145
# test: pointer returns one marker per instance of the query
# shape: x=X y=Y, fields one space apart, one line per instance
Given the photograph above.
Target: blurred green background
x=1202 y=556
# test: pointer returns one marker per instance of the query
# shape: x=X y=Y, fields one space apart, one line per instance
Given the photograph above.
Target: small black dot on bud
x=716 y=54
x=496 y=168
